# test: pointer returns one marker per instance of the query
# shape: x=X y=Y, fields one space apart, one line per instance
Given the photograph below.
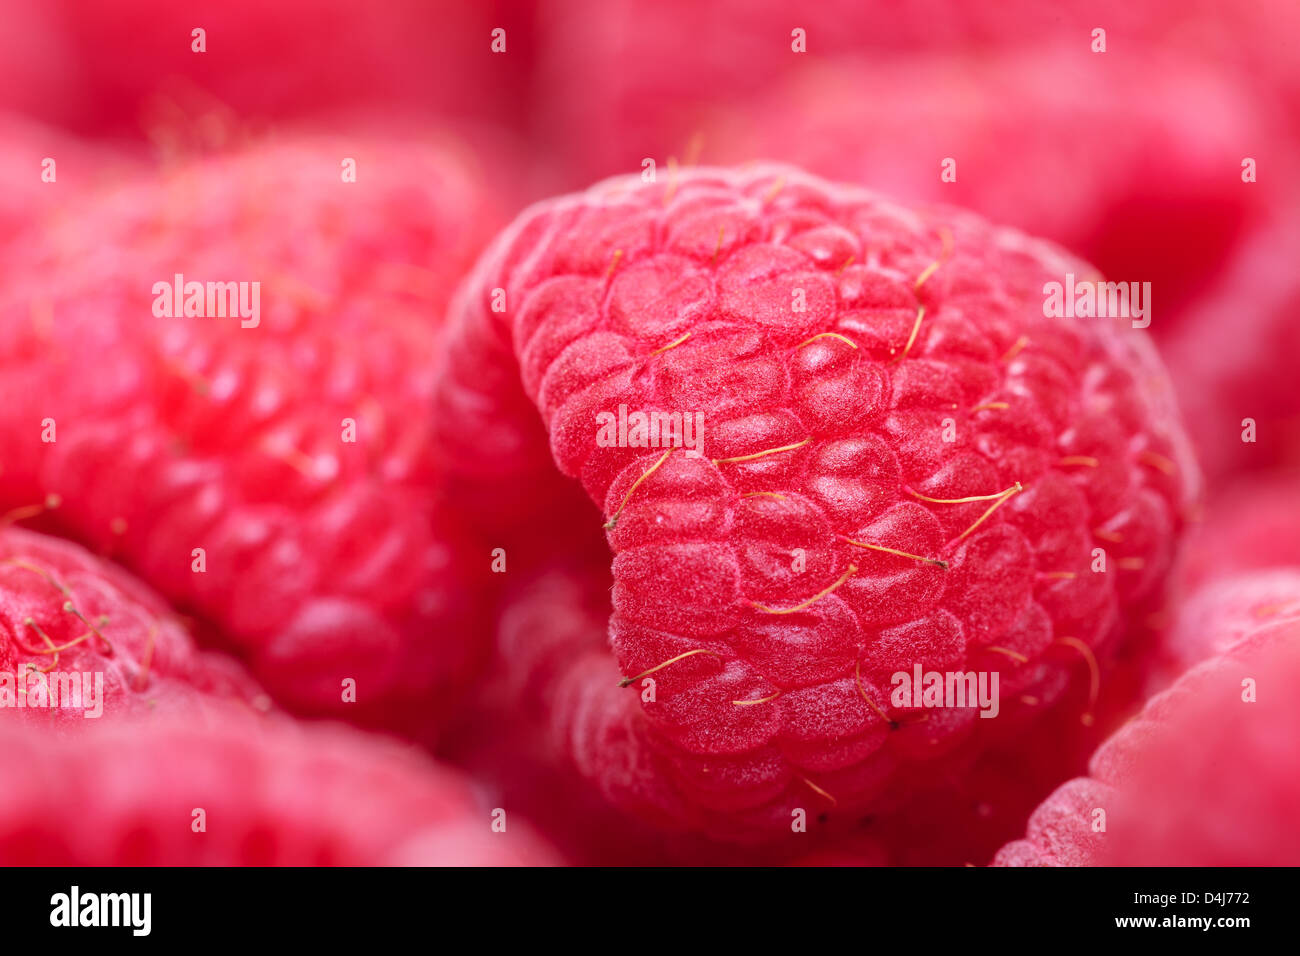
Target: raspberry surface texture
x=903 y=462
x=262 y=469
x=1202 y=777
x=80 y=639
x=234 y=793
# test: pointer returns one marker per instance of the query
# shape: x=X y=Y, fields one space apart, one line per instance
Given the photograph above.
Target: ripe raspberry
x=285 y=450
x=271 y=793
x=65 y=612
x=959 y=813
x=828 y=536
x=1200 y=777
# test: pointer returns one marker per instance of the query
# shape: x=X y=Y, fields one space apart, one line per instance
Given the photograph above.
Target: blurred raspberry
x=38 y=75
x=237 y=793
x=45 y=173
x=1133 y=163
x=128 y=67
x=1249 y=524
x=1233 y=359
x=1215 y=618
x=619 y=80
x=286 y=450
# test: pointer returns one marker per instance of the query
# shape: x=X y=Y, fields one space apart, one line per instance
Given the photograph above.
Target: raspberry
x=827 y=537
x=65 y=612
x=510 y=739
x=1163 y=780
x=627 y=82
x=1232 y=360
x=285 y=450
x=271 y=793
x=1253 y=524
x=1221 y=614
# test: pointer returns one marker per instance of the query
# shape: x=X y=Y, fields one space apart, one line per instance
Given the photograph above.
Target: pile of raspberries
x=376 y=490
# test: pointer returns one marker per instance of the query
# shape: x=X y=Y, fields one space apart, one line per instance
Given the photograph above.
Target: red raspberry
x=65 y=612
x=271 y=792
x=627 y=81
x=549 y=621
x=828 y=536
x=1200 y=777
x=287 y=451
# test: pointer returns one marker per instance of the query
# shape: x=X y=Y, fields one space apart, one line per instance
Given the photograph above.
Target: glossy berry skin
x=858 y=366
x=64 y=611
x=270 y=479
x=1203 y=776
x=270 y=793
